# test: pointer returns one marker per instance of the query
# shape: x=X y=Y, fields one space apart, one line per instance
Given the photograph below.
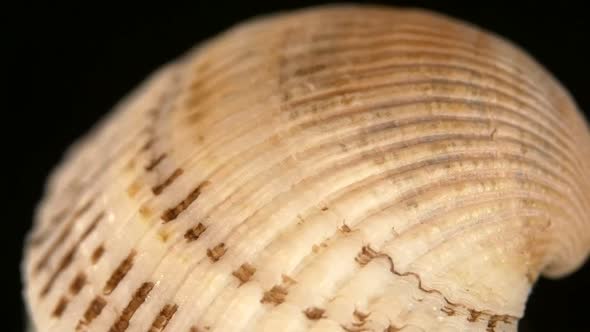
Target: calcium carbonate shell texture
x=342 y=168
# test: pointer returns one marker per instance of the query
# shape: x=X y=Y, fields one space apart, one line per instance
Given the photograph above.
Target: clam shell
x=341 y=168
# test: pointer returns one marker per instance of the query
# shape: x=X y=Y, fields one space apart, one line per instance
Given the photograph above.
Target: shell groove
x=332 y=169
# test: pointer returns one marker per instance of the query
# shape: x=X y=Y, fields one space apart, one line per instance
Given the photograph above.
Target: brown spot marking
x=473 y=315
x=38 y=239
x=155 y=162
x=301 y=220
x=119 y=273
x=160 y=188
x=172 y=213
x=83 y=209
x=97 y=254
x=130 y=164
x=68 y=258
x=366 y=255
x=217 y=252
x=325 y=208
x=314 y=313
x=136 y=301
x=345 y=229
x=76 y=214
x=145 y=211
x=60 y=307
x=92 y=226
x=59 y=216
x=152 y=112
x=275 y=295
x=77 y=283
x=163 y=318
x=94 y=309
x=194 y=117
x=147 y=144
x=317 y=248
x=411 y=203
x=493 y=133
x=133 y=188
x=193 y=233
x=309 y=70
x=288 y=280
x=494 y=319
x=163 y=235
x=448 y=310
x=244 y=273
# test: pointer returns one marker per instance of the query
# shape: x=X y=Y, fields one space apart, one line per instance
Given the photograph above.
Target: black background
x=67 y=65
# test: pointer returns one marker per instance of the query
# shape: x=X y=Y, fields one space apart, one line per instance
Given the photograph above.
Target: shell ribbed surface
x=331 y=169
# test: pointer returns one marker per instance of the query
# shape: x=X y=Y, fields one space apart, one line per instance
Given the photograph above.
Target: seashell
x=341 y=168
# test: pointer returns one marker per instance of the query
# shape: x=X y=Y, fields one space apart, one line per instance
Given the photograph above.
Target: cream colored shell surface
x=330 y=169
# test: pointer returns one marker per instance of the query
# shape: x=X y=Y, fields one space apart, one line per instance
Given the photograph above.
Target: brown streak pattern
x=56 y=244
x=217 y=252
x=122 y=323
x=173 y=212
x=60 y=307
x=157 y=190
x=155 y=162
x=82 y=210
x=119 y=273
x=276 y=295
x=473 y=315
x=63 y=236
x=38 y=239
x=163 y=318
x=314 y=313
x=59 y=216
x=92 y=311
x=195 y=232
x=97 y=254
x=448 y=310
x=69 y=256
x=244 y=273
x=75 y=286
x=367 y=254
x=494 y=319
x=148 y=144
x=77 y=283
